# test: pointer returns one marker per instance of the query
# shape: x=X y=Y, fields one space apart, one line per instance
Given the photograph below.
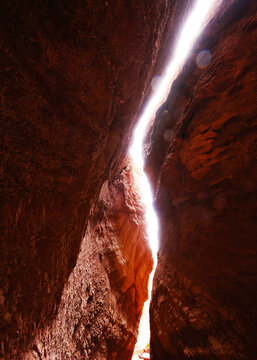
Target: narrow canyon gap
x=74 y=255
x=73 y=76
x=192 y=25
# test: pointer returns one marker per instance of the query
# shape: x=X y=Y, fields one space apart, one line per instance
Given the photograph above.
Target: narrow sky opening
x=189 y=32
x=191 y=28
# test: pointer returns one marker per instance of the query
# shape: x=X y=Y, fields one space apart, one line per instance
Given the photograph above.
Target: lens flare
x=203 y=58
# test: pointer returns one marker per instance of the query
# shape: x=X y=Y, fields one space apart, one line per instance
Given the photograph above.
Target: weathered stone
x=103 y=299
x=74 y=264
x=205 y=180
x=73 y=76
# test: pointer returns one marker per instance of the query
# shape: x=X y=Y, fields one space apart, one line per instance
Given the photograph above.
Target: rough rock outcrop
x=73 y=76
x=102 y=302
x=202 y=161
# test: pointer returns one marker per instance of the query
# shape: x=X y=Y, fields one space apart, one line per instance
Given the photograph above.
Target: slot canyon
x=74 y=253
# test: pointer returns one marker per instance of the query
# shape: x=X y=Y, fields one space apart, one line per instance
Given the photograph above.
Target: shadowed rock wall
x=202 y=162
x=73 y=76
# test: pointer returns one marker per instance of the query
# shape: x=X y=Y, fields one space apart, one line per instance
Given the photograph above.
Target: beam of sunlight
x=196 y=20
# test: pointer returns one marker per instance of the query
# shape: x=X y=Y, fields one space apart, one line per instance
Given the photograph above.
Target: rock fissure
x=75 y=259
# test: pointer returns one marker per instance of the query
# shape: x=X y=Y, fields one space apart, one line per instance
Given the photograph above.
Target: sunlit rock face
x=103 y=299
x=202 y=162
x=73 y=76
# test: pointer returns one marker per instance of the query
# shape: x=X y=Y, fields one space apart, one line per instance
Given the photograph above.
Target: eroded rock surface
x=102 y=302
x=202 y=161
x=73 y=76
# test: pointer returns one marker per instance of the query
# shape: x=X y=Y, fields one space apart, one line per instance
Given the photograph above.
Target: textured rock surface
x=103 y=299
x=202 y=161
x=73 y=75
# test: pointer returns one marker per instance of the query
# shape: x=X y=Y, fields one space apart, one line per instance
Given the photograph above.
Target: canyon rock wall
x=202 y=162
x=102 y=302
x=73 y=76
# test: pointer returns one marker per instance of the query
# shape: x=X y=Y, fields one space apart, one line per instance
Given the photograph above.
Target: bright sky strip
x=191 y=28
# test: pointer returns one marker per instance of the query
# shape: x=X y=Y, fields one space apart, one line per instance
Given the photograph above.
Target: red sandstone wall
x=73 y=76
x=204 y=291
x=102 y=301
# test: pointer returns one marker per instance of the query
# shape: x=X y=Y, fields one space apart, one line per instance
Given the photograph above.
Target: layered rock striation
x=202 y=163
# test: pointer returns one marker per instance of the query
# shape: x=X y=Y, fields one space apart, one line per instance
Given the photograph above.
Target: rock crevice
x=202 y=162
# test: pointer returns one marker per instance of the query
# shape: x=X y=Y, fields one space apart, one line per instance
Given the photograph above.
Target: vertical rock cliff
x=202 y=162
x=73 y=76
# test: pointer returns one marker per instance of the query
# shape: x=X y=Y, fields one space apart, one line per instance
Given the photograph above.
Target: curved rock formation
x=74 y=259
x=103 y=299
x=73 y=76
x=202 y=161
